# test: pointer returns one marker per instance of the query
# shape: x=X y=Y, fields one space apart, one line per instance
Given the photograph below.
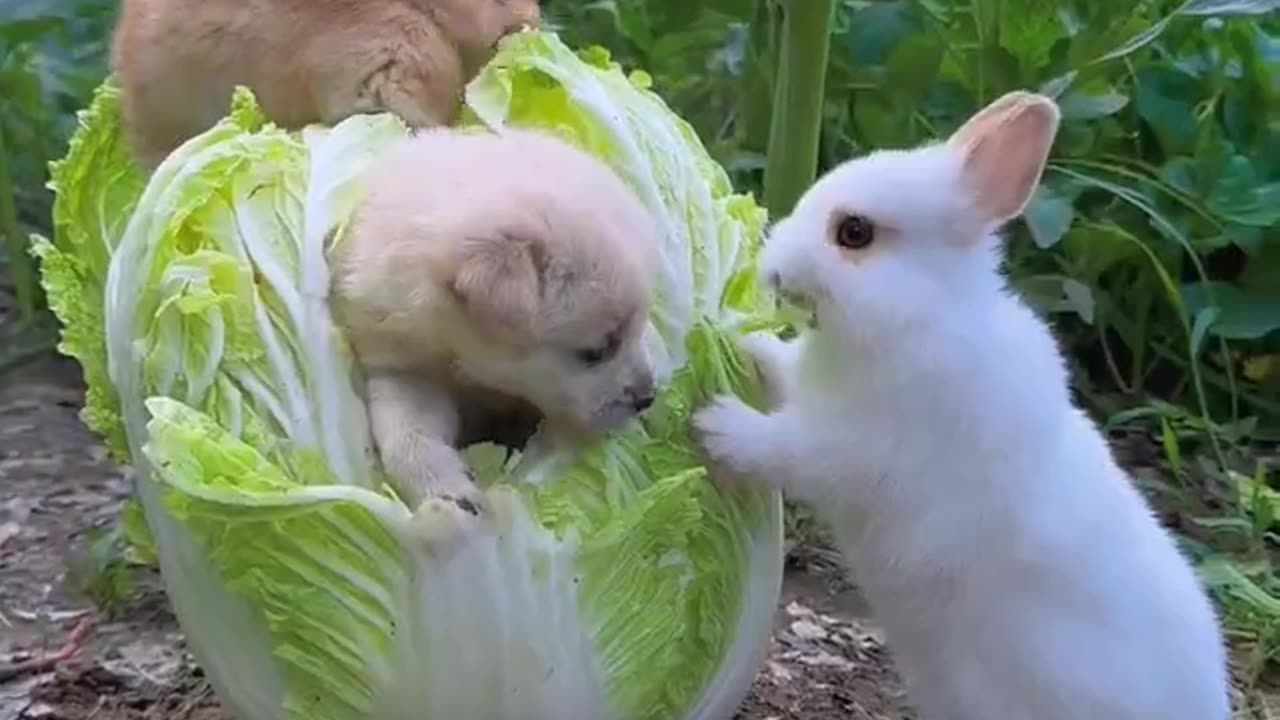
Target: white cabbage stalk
x=619 y=582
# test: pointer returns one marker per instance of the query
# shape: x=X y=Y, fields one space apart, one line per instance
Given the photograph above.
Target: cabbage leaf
x=618 y=582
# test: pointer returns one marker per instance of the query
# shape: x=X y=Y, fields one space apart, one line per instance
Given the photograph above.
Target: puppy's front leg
x=414 y=426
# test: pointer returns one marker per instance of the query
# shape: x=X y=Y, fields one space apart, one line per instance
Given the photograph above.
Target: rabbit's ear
x=1005 y=148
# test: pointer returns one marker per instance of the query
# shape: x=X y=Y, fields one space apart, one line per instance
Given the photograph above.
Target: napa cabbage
x=619 y=582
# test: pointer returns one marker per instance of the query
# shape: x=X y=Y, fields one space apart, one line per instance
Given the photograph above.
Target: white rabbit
x=1017 y=572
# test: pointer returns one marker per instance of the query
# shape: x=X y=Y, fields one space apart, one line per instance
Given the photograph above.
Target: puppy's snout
x=641 y=395
x=643 y=402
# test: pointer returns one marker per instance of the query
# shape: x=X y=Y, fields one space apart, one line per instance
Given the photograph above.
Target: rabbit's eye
x=855 y=232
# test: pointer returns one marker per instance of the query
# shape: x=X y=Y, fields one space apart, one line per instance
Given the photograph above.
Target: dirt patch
x=93 y=692
x=58 y=488
x=824 y=665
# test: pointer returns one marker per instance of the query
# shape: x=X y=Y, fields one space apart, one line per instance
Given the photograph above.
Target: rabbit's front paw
x=774 y=360
x=725 y=429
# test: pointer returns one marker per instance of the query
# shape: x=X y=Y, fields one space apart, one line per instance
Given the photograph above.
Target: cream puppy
x=1017 y=571
x=307 y=61
x=490 y=280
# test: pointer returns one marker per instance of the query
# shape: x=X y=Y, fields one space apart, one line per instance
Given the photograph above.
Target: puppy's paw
x=450 y=514
x=723 y=429
x=442 y=525
x=462 y=491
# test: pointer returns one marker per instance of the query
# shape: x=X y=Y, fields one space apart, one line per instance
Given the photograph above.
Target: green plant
x=1154 y=242
x=616 y=581
x=52 y=54
x=801 y=31
x=1154 y=237
x=103 y=571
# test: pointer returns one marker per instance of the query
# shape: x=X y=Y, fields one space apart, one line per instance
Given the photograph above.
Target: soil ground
x=58 y=488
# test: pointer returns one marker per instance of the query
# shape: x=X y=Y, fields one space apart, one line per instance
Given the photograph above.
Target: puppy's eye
x=593 y=356
x=855 y=232
x=602 y=352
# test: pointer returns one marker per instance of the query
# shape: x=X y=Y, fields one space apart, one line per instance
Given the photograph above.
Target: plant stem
x=792 y=162
x=760 y=76
x=20 y=265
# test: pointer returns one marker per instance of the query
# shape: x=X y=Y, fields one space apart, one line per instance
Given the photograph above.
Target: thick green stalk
x=792 y=162
x=760 y=76
x=21 y=268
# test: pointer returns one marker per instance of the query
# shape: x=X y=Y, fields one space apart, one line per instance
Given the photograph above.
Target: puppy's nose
x=643 y=402
x=641 y=394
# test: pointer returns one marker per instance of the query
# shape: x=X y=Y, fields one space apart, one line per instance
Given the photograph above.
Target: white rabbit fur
x=1017 y=572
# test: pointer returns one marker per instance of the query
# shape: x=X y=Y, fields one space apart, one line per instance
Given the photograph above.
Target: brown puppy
x=486 y=274
x=306 y=60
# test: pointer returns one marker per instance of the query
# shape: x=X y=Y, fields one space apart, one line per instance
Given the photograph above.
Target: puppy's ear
x=1005 y=147
x=499 y=281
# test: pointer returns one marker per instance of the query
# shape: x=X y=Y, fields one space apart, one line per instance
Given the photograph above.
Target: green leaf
x=97 y=185
x=1093 y=248
x=1172 y=448
x=1190 y=8
x=1165 y=99
x=1241 y=197
x=1001 y=71
x=913 y=67
x=1079 y=298
x=876 y=29
x=27 y=30
x=1079 y=105
x=1055 y=87
x=1048 y=216
x=1229 y=7
x=737 y=9
x=1222 y=575
x=1137 y=42
x=878 y=124
x=1204 y=320
x=325 y=566
x=1058 y=294
x=1262 y=274
x=1240 y=314
x=1028 y=30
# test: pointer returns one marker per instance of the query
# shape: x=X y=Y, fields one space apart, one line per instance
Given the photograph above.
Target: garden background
x=1153 y=245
